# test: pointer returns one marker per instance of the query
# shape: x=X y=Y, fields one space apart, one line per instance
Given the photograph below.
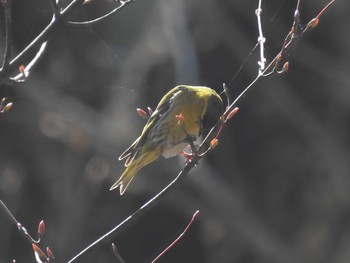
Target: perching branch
x=142 y=210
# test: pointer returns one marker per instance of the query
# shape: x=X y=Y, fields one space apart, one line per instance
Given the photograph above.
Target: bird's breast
x=174 y=150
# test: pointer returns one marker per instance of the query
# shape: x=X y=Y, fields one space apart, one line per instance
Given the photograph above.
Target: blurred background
x=277 y=187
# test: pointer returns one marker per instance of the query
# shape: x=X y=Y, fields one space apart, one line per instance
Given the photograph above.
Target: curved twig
x=99 y=19
x=20 y=227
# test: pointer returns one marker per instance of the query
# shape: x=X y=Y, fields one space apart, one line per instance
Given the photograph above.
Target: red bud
x=231 y=114
x=214 y=142
x=142 y=113
x=6 y=108
x=38 y=251
x=41 y=229
x=284 y=68
x=50 y=254
x=312 y=24
x=21 y=69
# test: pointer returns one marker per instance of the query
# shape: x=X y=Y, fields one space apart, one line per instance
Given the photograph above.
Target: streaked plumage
x=201 y=108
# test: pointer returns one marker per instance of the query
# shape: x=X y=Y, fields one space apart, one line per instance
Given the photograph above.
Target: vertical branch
x=54 y=7
x=8 y=33
x=261 y=39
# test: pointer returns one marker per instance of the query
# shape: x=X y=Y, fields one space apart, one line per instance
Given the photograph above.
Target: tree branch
x=144 y=208
x=56 y=22
x=20 y=227
x=99 y=19
x=8 y=34
x=261 y=39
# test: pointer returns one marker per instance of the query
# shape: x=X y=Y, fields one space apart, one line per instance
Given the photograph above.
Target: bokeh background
x=277 y=187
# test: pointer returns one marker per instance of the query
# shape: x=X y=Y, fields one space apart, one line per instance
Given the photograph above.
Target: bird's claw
x=193 y=156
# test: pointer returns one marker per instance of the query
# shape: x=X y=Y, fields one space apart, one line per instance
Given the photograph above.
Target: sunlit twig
x=261 y=39
x=99 y=19
x=177 y=239
x=20 y=227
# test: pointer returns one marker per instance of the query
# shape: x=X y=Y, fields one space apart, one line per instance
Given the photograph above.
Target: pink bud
x=50 y=254
x=41 y=229
x=142 y=113
x=214 y=142
x=38 y=251
x=231 y=114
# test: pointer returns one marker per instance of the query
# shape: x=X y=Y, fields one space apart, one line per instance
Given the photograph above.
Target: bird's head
x=212 y=111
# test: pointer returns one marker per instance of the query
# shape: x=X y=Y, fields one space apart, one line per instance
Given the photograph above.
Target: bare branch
x=20 y=227
x=178 y=238
x=54 y=8
x=8 y=33
x=144 y=208
x=56 y=22
x=261 y=39
x=22 y=76
x=99 y=19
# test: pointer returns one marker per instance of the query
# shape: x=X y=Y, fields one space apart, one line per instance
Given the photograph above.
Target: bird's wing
x=161 y=109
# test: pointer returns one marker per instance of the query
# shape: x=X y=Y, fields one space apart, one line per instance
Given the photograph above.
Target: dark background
x=277 y=187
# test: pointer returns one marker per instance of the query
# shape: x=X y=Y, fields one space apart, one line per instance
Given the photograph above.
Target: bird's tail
x=126 y=178
x=132 y=169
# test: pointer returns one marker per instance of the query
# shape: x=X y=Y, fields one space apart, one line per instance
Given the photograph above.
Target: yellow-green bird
x=200 y=109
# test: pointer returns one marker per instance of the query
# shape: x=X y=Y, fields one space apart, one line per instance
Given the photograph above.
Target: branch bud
x=50 y=254
x=6 y=108
x=312 y=24
x=38 y=251
x=41 y=229
x=150 y=111
x=284 y=68
x=142 y=113
x=214 y=142
x=21 y=69
x=231 y=114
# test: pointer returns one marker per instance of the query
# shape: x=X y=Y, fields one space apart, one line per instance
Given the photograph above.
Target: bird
x=182 y=115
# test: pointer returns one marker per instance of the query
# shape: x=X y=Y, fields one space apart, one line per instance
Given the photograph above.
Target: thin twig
x=117 y=254
x=99 y=19
x=20 y=227
x=54 y=6
x=178 y=238
x=325 y=9
x=261 y=39
x=45 y=34
x=21 y=77
x=8 y=33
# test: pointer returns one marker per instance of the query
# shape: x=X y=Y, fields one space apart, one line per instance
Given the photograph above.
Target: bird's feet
x=193 y=155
